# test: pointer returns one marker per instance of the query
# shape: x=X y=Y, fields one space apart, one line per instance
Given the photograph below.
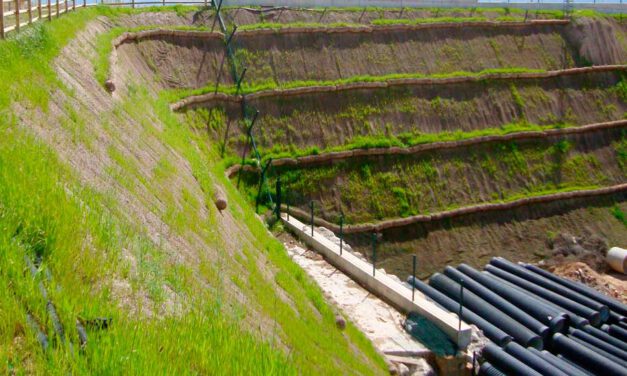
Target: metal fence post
x=57 y=6
x=49 y=7
x=413 y=274
x=287 y=202
x=374 y=252
x=461 y=304
x=341 y=232
x=311 y=207
x=29 y=4
x=278 y=197
x=39 y=9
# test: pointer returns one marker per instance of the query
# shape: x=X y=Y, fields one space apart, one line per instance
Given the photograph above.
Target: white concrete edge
x=381 y=284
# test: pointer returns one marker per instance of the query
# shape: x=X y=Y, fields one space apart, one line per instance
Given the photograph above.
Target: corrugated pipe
x=549 y=316
x=573 y=364
x=614 y=305
x=548 y=284
x=487 y=311
x=605 y=346
x=493 y=333
x=510 y=365
x=586 y=357
x=600 y=351
x=42 y=338
x=532 y=360
x=574 y=320
x=590 y=314
x=558 y=363
x=488 y=369
x=502 y=304
x=605 y=337
x=617 y=332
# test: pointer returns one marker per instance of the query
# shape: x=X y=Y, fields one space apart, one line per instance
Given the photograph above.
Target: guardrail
x=15 y=14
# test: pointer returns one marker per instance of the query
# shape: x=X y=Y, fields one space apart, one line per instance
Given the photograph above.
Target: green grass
x=420 y=21
x=399 y=186
x=406 y=140
x=85 y=238
x=178 y=94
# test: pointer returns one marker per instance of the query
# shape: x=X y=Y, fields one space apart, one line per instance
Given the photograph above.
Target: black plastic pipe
x=588 y=313
x=500 y=303
x=586 y=357
x=573 y=319
x=487 y=311
x=605 y=346
x=504 y=361
x=580 y=368
x=548 y=284
x=601 y=352
x=551 y=317
x=532 y=360
x=488 y=369
x=605 y=337
x=618 y=332
x=613 y=304
x=558 y=363
x=493 y=333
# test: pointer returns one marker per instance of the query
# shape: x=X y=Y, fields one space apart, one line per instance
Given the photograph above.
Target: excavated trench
x=297 y=119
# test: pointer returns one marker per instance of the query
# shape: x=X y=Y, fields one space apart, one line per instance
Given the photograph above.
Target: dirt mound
x=612 y=284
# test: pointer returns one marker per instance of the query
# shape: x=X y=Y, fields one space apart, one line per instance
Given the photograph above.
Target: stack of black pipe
x=540 y=324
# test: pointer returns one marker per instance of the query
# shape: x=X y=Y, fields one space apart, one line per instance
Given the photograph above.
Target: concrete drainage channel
x=384 y=298
x=536 y=323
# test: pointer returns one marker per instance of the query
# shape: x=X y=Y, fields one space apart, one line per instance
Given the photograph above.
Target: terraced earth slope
x=454 y=137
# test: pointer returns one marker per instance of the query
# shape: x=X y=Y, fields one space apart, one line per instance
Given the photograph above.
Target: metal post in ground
x=287 y=201
x=413 y=274
x=374 y=252
x=39 y=9
x=311 y=207
x=29 y=4
x=278 y=197
x=461 y=306
x=49 y=6
x=261 y=180
x=341 y=232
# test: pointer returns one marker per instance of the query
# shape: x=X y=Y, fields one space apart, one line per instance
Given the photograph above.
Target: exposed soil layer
x=521 y=235
x=336 y=118
x=323 y=56
x=376 y=188
x=286 y=55
x=174 y=61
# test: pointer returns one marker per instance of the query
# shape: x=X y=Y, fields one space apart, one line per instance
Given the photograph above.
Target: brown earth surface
x=335 y=118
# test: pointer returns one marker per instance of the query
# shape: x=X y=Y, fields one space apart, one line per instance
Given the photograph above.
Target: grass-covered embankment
x=94 y=245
